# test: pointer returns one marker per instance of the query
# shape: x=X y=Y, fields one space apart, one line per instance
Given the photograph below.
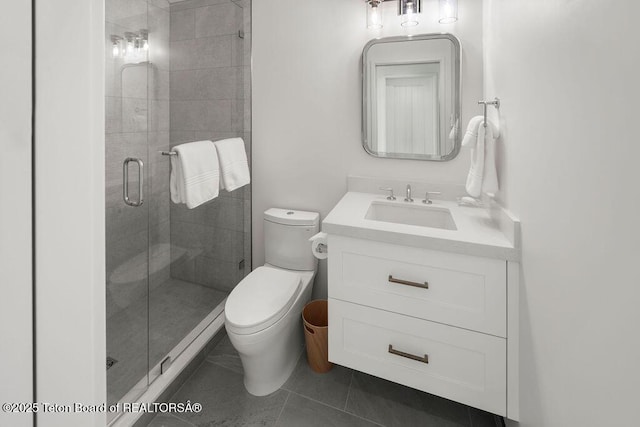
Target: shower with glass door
x=175 y=72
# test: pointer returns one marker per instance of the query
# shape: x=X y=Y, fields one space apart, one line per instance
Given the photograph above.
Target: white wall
x=15 y=211
x=567 y=75
x=307 y=104
x=70 y=282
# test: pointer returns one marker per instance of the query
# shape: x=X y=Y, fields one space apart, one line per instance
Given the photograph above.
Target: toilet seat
x=261 y=299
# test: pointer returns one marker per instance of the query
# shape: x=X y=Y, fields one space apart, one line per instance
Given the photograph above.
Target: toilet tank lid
x=291 y=217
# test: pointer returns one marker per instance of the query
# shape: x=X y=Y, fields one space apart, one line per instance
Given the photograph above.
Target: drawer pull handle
x=424 y=359
x=424 y=285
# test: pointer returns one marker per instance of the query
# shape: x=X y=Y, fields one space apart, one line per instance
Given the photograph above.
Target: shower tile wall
x=210 y=89
x=137 y=123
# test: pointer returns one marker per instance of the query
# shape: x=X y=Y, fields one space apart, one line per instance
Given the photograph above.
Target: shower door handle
x=125 y=182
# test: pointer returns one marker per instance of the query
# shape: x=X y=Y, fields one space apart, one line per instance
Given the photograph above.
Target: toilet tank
x=286 y=238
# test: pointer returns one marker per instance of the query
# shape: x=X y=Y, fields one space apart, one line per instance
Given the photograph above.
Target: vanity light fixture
x=115 y=46
x=130 y=48
x=144 y=39
x=408 y=11
x=132 y=45
x=374 y=15
x=448 y=11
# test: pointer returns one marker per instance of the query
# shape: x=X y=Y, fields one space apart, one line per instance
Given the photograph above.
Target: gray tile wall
x=198 y=87
x=137 y=125
x=210 y=99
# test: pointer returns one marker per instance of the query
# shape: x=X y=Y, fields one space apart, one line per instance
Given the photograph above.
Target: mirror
x=411 y=97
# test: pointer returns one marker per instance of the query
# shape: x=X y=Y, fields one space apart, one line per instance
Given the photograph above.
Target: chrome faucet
x=427 y=200
x=408 y=198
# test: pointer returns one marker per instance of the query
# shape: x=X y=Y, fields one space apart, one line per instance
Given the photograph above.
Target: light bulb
x=115 y=46
x=448 y=11
x=144 y=39
x=408 y=11
x=409 y=20
x=130 y=47
x=374 y=15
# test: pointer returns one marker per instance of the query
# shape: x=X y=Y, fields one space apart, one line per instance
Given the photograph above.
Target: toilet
x=263 y=312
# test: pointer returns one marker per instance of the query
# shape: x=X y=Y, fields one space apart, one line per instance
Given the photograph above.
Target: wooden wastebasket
x=314 y=319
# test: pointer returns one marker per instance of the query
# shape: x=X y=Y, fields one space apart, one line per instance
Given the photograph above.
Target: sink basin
x=423 y=216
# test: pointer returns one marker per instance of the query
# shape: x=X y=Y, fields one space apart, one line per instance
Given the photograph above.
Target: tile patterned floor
x=152 y=327
x=340 y=398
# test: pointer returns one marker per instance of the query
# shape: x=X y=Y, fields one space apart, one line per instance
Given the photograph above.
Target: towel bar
x=168 y=153
x=495 y=103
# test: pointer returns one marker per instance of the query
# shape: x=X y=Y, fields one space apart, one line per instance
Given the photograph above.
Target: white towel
x=474 y=179
x=234 y=168
x=482 y=176
x=195 y=173
x=490 y=175
x=470 y=137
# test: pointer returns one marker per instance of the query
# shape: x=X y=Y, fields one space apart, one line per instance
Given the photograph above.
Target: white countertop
x=476 y=233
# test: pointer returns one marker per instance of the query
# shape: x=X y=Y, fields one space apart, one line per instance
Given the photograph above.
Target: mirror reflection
x=411 y=97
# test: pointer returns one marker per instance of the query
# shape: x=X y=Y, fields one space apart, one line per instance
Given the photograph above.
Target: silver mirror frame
x=457 y=101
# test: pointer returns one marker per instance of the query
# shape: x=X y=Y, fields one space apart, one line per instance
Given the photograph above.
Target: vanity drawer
x=465 y=291
x=468 y=367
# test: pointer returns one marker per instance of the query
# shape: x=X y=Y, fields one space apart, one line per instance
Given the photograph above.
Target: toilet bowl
x=263 y=312
x=269 y=350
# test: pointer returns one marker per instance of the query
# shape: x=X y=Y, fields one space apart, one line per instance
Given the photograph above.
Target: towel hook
x=495 y=103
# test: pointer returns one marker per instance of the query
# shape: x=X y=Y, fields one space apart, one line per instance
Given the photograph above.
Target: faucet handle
x=390 y=196
x=428 y=201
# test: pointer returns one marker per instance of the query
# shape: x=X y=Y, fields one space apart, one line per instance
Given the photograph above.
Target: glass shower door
x=127 y=206
x=197 y=256
x=169 y=268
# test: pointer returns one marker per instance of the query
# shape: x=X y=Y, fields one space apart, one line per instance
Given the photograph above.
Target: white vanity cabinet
x=432 y=320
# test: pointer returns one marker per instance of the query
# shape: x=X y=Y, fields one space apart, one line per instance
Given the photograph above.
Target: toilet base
x=268 y=370
x=270 y=356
